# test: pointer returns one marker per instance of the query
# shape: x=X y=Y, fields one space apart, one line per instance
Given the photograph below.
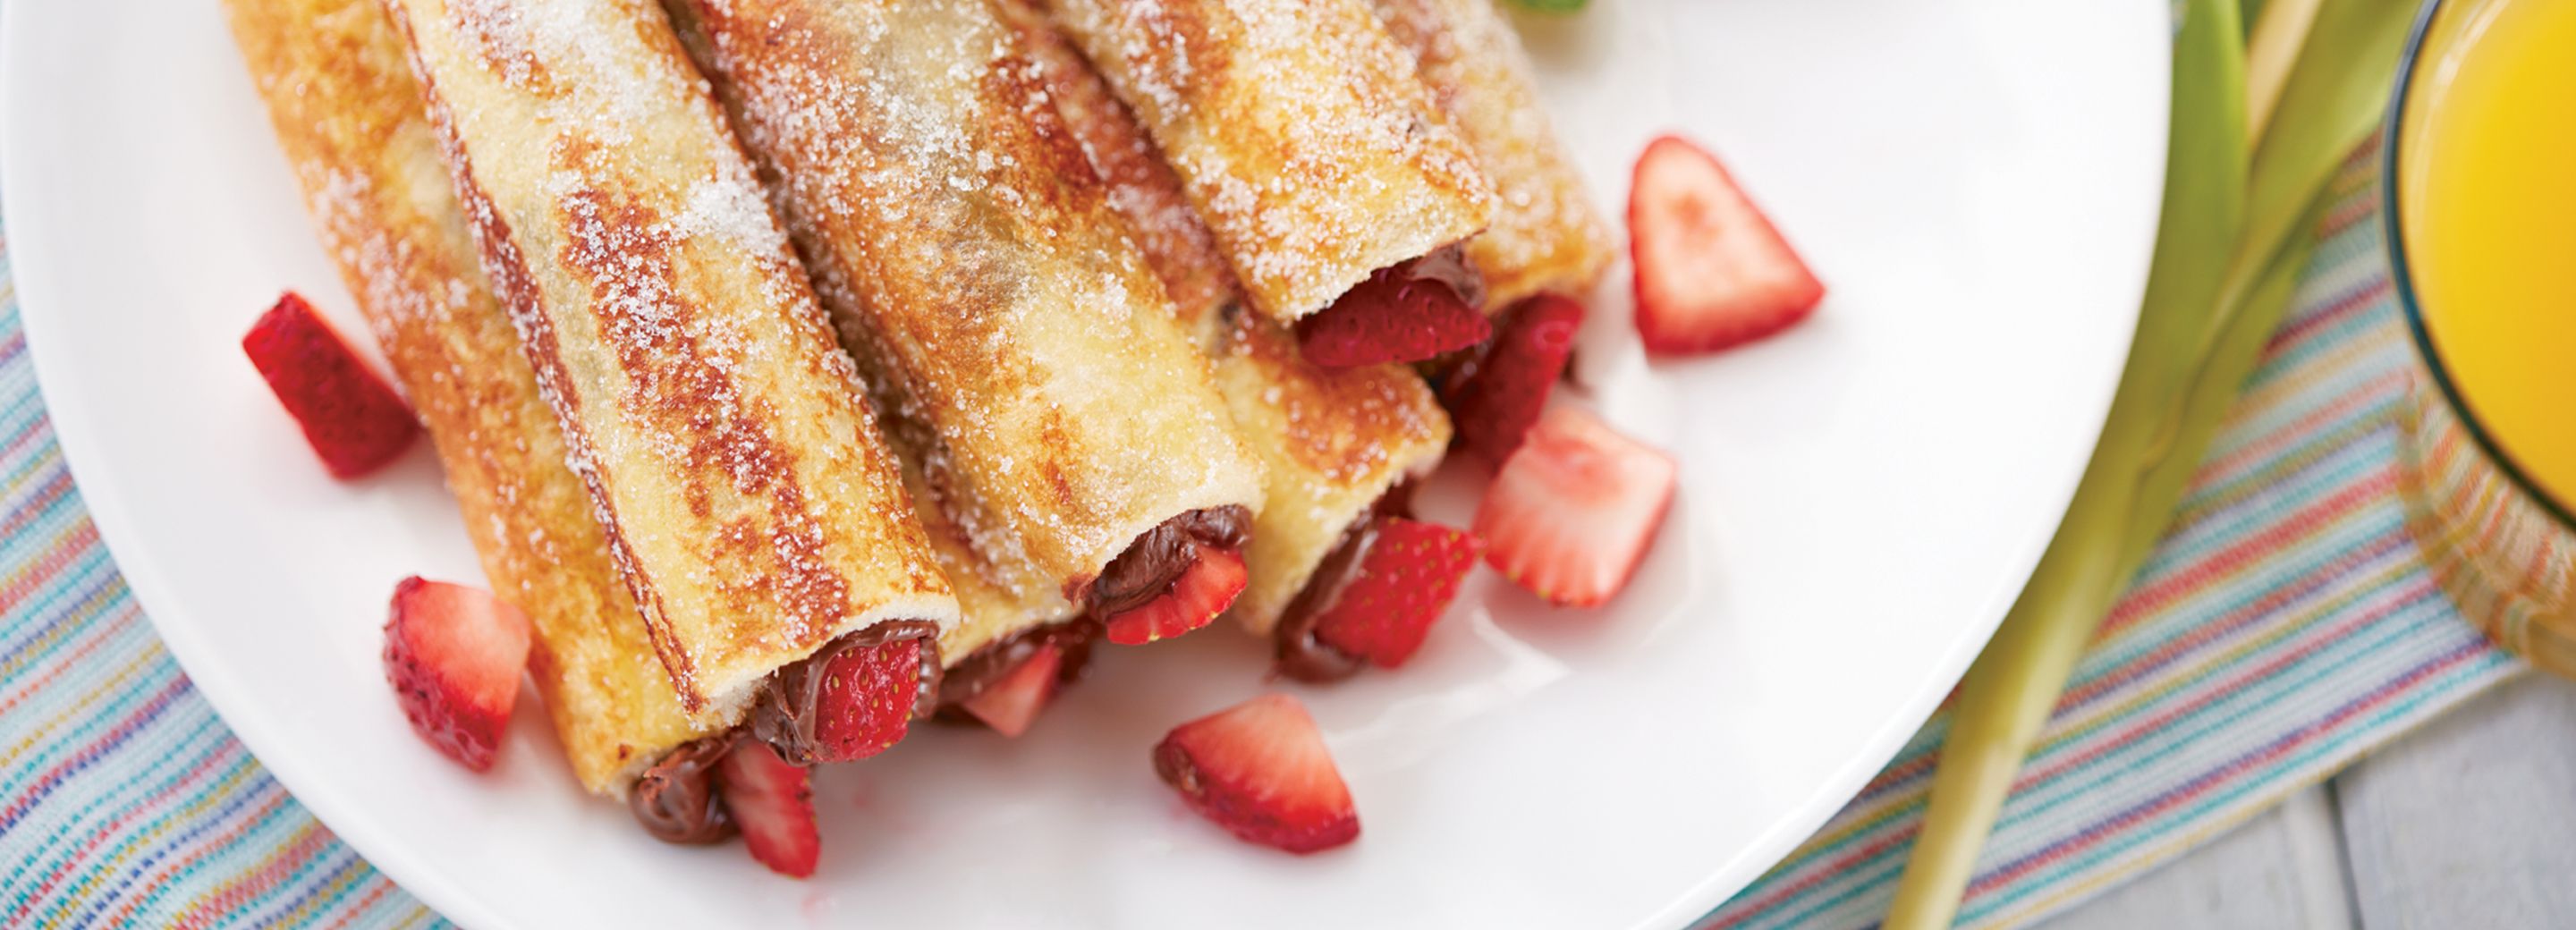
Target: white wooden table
x=2468 y=823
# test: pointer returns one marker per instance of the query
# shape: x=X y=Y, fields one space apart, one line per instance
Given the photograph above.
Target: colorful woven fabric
x=2285 y=626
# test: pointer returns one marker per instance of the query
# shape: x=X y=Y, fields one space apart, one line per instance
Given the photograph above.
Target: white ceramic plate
x=1976 y=180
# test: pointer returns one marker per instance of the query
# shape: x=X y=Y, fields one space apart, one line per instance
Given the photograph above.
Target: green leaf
x=1552 y=6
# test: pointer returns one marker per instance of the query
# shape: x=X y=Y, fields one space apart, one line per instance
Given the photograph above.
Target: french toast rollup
x=1338 y=443
x=1546 y=234
x=1028 y=358
x=751 y=504
x=349 y=117
x=1302 y=135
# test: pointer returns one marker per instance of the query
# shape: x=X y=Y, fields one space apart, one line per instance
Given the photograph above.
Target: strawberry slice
x=353 y=419
x=1404 y=582
x=1502 y=392
x=1711 y=271
x=453 y=655
x=1201 y=593
x=773 y=802
x=1391 y=317
x=868 y=699
x=1012 y=703
x=1571 y=513
x=1260 y=770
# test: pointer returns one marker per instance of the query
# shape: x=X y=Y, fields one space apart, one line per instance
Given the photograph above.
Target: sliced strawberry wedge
x=773 y=802
x=1011 y=704
x=353 y=419
x=1403 y=582
x=1571 y=513
x=1260 y=770
x=453 y=655
x=1711 y=270
x=868 y=699
x=1391 y=317
x=1498 y=399
x=1201 y=593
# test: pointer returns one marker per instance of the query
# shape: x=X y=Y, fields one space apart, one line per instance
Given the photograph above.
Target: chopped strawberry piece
x=453 y=655
x=868 y=698
x=1711 y=271
x=1571 y=513
x=1391 y=317
x=1502 y=392
x=1260 y=770
x=1012 y=703
x=1201 y=593
x=773 y=802
x=1404 y=582
x=353 y=419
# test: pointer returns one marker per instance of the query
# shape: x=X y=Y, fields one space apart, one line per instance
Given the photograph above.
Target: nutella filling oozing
x=1157 y=558
x=676 y=798
x=1300 y=654
x=1448 y=265
x=788 y=708
x=982 y=668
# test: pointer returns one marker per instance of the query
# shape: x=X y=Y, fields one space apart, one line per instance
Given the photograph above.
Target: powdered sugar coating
x=349 y=117
x=1300 y=132
x=749 y=500
x=1546 y=233
x=1053 y=407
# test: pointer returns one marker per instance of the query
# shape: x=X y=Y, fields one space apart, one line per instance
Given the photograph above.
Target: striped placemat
x=2284 y=627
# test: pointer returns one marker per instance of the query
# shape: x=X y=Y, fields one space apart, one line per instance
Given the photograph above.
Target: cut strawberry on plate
x=1391 y=317
x=868 y=699
x=1201 y=593
x=353 y=419
x=1711 y=270
x=773 y=803
x=453 y=655
x=1260 y=770
x=1571 y=513
x=1404 y=581
x=1012 y=703
x=1501 y=395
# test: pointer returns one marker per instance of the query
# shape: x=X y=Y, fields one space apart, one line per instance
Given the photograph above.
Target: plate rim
x=353 y=824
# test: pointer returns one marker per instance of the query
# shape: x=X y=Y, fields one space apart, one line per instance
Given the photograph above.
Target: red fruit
x=1012 y=703
x=1260 y=769
x=1391 y=317
x=773 y=803
x=867 y=701
x=1497 y=401
x=1570 y=513
x=1201 y=593
x=1711 y=270
x=1404 y=582
x=453 y=655
x=354 y=420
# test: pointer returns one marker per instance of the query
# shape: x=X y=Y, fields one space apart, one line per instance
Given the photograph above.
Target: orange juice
x=2482 y=184
x=2487 y=188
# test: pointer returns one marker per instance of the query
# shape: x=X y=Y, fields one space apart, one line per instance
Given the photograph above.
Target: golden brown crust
x=1546 y=235
x=754 y=509
x=994 y=301
x=1332 y=441
x=1300 y=132
x=349 y=117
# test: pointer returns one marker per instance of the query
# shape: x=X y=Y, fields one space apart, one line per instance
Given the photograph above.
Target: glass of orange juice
x=2480 y=196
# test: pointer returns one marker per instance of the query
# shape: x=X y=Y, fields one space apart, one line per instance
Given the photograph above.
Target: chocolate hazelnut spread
x=983 y=667
x=1299 y=653
x=1448 y=265
x=786 y=711
x=676 y=800
x=1157 y=558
